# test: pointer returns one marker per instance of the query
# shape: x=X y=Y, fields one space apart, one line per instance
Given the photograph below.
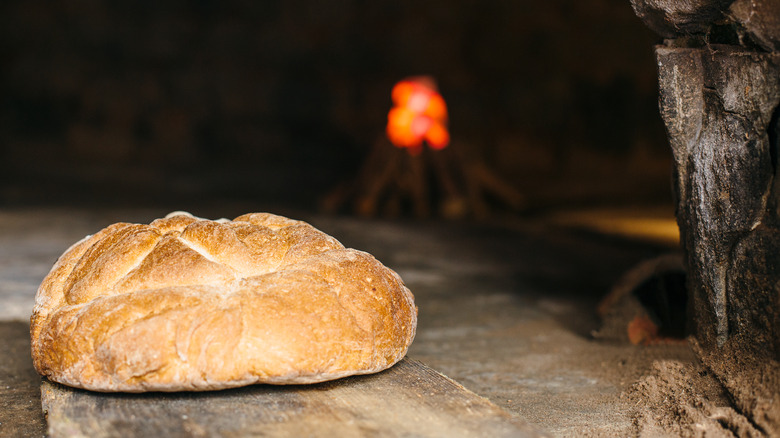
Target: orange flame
x=419 y=114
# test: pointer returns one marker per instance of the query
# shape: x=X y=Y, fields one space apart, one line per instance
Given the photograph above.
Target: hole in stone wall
x=665 y=298
x=723 y=34
x=773 y=131
x=648 y=304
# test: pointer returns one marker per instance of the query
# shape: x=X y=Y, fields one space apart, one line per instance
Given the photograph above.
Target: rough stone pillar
x=719 y=79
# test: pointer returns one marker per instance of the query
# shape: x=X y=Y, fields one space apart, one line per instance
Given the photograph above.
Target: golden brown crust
x=190 y=304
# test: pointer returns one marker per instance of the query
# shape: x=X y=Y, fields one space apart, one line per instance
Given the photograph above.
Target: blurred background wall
x=278 y=101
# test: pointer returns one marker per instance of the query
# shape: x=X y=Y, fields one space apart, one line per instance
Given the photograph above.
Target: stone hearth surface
x=506 y=308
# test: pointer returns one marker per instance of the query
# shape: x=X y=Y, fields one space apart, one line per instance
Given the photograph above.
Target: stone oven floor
x=506 y=308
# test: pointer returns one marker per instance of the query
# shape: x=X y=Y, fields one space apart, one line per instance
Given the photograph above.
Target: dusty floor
x=507 y=309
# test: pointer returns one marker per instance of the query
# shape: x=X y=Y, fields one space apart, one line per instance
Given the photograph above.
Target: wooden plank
x=20 y=401
x=409 y=400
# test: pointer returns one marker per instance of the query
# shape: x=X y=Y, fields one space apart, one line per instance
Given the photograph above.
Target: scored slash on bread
x=188 y=304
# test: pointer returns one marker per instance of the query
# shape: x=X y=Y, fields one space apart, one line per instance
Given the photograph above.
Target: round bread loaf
x=187 y=304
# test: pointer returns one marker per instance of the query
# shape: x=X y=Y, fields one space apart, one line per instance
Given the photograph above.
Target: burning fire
x=419 y=114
